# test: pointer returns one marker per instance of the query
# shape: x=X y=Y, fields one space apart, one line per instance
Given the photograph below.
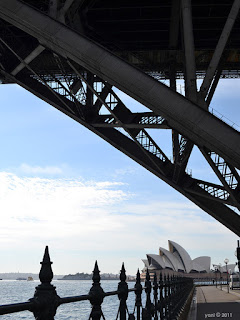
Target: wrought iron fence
x=165 y=297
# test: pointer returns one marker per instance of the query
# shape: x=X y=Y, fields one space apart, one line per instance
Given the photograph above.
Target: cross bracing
x=68 y=54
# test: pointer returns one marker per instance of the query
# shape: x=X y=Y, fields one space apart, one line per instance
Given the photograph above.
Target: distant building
x=176 y=259
x=230 y=268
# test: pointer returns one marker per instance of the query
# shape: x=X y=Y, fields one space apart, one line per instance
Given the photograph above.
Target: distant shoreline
x=87 y=276
x=88 y=279
x=16 y=275
x=77 y=276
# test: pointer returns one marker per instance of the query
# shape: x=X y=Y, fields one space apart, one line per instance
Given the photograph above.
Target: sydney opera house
x=176 y=259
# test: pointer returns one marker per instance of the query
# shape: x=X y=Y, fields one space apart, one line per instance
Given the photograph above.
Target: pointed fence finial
x=123 y=293
x=96 y=274
x=138 y=279
x=96 y=295
x=45 y=297
x=123 y=273
x=155 y=278
x=160 y=278
x=147 y=275
x=46 y=274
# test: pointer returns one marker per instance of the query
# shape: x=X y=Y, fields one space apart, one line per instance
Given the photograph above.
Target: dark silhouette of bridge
x=73 y=53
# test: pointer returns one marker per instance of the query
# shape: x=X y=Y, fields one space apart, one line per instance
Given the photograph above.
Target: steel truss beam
x=137 y=121
x=135 y=143
x=183 y=115
x=82 y=93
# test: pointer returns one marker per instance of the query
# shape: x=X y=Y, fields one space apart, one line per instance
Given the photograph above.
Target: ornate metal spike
x=46 y=274
x=155 y=306
x=161 y=276
x=96 y=274
x=123 y=293
x=148 y=288
x=155 y=278
x=138 y=279
x=45 y=297
x=147 y=275
x=123 y=273
x=96 y=294
x=138 y=293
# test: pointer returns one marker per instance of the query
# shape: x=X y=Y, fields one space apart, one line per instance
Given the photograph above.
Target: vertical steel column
x=53 y=8
x=173 y=42
x=64 y=10
x=219 y=49
x=185 y=145
x=89 y=93
x=188 y=38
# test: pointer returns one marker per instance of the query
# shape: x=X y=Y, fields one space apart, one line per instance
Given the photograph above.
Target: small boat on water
x=28 y=278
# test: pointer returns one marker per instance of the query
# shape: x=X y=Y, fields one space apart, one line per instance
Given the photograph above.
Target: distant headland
x=77 y=276
x=87 y=276
x=23 y=275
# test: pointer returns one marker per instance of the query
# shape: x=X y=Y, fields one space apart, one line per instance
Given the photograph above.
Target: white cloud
x=37 y=170
x=130 y=170
x=52 y=208
x=97 y=220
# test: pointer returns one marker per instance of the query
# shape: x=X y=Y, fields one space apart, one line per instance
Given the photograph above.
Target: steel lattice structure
x=73 y=53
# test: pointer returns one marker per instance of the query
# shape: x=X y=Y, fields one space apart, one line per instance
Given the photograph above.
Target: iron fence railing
x=165 y=297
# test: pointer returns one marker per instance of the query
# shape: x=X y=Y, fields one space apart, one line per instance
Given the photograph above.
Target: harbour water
x=13 y=291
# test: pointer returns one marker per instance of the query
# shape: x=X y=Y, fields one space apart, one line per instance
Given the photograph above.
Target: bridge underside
x=73 y=53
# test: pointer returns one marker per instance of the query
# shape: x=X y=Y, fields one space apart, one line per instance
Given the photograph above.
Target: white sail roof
x=177 y=259
x=183 y=255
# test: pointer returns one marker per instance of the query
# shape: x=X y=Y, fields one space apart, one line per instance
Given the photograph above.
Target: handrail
x=169 y=296
x=74 y=299
x=16 y=307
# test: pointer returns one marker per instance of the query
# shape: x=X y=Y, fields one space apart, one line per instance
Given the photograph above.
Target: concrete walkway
x=210 y=302
x=211 y=294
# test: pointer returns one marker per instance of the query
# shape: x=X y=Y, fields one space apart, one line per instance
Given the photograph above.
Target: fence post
x=169 y=298
x=171 y=302
x=178 y=285
x=155 y=294
x=146 y=312
x=165 y=296
x=45 y=297
x=175 y=296
x=138 y=293
x=161 y=302
x=123 y=295
x=97 y=295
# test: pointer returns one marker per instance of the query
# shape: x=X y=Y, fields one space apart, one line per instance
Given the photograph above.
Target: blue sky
x=63 y=186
